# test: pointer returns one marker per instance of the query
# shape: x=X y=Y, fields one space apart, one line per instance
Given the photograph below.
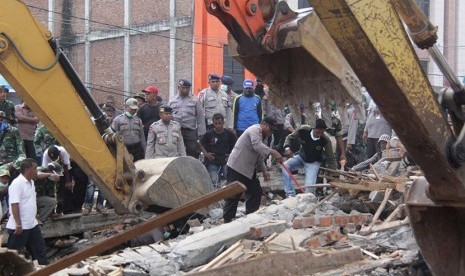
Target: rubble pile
x=294 y=236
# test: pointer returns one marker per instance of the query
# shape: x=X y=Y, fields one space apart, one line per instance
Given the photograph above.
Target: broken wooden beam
x=163 y=219
x=289 y=263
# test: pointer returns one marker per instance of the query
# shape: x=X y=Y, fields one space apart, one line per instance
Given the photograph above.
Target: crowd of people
x=233 y=134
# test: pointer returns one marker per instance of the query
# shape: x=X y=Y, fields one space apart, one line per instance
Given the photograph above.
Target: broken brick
x=266 y=229
x=325 y=221
x=303 y=222
x=325 y=238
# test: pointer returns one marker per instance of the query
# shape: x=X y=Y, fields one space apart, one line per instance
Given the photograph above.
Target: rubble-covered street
x=300 y=235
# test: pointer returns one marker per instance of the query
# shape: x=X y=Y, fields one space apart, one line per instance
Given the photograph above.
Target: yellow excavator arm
x=32 y=62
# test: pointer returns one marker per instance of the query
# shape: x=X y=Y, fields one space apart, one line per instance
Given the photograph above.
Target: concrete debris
x=286 y=236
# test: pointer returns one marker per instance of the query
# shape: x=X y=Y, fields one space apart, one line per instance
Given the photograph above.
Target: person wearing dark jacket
x=314 y=146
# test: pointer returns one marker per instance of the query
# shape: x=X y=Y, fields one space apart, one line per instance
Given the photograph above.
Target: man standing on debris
x=65 y=187
x=217 y=144
x=27 y=124
x=47 y=179
x=382 y=143
x=23 y=229
x=213 y=101
x=188 y=112
x=246 y=159
x=149 y=112
x=165 y=137
x=131 y=128
x=314 y=144
x=247 y=109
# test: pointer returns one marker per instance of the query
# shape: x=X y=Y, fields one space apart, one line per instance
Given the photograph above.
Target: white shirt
x=64 y=158
x=23 y=192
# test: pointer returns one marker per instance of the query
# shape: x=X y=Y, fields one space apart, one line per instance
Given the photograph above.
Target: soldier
x=4 y=179
x=47 y=180
x=189 y=114
x=11 y=144
x=44 y=139
x=165 y=137
x=213 y=101
x=7 y=106
x=140 y=97
x=131 y=128
x=336 y=131
x=226 y=86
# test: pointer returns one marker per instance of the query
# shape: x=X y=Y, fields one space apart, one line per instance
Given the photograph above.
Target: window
x=424 y=6
x=304 y=4
x=233 y=69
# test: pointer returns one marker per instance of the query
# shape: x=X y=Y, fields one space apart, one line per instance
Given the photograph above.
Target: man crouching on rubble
x=248 y=154
x=313 y=145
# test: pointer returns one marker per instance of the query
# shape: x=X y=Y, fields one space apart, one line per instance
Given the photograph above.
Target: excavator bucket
x=293 y=54
x=171 y=182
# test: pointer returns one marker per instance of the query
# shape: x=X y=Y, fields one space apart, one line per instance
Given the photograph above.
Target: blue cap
x=247 y=83
x=227 y=80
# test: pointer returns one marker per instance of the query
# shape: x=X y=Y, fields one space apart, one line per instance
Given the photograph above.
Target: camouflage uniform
x=44 y=139
x=46 y=196
x=11 y=146
x=9 y=108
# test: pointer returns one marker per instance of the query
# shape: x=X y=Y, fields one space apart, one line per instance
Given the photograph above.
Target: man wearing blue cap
x=247 y=109
x=213 y=101
x=188 y=112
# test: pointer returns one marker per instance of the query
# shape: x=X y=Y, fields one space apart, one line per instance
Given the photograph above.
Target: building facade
x=118 y=47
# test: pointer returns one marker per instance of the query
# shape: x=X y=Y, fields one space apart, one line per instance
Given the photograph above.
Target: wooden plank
x=289 y=263
x=365 y=186
x=394 y=213
x=390 y=225
x=221 y=256
x=163 y=219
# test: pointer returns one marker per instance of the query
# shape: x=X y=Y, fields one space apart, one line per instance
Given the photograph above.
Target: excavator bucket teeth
x=171 y=182
x=303 y=64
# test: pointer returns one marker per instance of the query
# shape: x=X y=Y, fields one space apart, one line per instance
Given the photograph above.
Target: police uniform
x=132 y=130
x=188 y=112
x=165 y=140
x=227 y=80
x=215 y=102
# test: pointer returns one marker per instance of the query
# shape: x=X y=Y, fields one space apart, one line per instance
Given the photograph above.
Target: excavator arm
x=35 y=66
x=368 y=37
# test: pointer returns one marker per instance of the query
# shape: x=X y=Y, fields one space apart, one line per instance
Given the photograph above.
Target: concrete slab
x=283 y=241
x=204 y=246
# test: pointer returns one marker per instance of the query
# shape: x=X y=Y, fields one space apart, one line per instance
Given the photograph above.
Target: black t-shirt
x=221 y=144
x=149 y=114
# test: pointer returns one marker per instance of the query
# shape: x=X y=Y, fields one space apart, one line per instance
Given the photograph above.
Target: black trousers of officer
x=190 y=138
x=137 y=151
x=253 y=195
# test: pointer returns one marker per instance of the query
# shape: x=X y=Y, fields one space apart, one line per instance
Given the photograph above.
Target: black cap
x=159 y=99
x=320 y=124
x=106 y=106
x=53 y=153
x=271 y=122
x=166 y=108
x=227 y=80
x=213 y=77
x=183 y=82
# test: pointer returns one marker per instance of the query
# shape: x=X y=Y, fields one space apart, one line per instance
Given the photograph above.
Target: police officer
x=189 y=114
x=11 y=144
x=165 y=137
x=213 y=101
x=131 y=128
x=226 y=86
